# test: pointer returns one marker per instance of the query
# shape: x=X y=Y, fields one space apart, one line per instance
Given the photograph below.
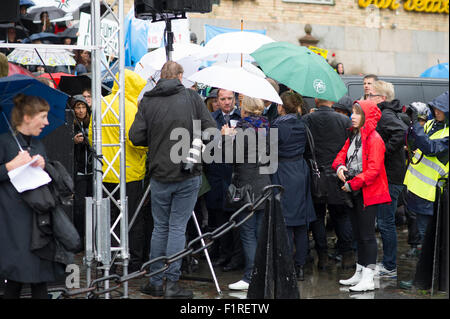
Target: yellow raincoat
x=135 y=155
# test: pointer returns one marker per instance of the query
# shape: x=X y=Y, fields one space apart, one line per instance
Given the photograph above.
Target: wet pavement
x=317 y=284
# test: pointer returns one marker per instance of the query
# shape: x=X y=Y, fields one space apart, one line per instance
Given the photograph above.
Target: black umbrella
x=73 y=85
x=86 y=7
x=21 y=32
x=68 y=33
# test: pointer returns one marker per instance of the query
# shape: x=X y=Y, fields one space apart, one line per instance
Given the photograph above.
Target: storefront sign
x=430 y=6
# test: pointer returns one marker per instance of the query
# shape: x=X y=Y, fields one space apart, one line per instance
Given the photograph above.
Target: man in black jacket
x=164 y=113
x=329 y=130
x=392 y=129
x=219 y=177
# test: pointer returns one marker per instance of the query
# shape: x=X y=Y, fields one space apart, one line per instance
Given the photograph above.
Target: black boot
x=348 y=260
x=155 y=291
x=300 y=273
x=323 y=260
x=173 y=290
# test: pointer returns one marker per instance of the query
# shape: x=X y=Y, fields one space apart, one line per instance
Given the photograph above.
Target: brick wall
x=366 y=40
x=343 y=13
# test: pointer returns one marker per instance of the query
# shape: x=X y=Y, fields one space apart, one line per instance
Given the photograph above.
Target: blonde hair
x=252 y=106
x=384 y=88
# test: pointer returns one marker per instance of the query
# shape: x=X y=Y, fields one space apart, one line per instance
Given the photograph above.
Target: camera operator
x=174 y=186
x=362 y=160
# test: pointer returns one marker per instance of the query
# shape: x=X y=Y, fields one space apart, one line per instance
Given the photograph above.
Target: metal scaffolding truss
x=99 y=228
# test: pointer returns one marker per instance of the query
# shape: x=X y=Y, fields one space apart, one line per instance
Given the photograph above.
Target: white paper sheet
x=27 y=177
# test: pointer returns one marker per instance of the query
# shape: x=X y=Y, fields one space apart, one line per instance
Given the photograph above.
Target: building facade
x=384 y=37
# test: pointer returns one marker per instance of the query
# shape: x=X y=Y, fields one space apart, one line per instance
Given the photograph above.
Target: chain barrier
x=96 y=287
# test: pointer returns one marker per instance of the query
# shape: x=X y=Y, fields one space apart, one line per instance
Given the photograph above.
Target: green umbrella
x=300 y=69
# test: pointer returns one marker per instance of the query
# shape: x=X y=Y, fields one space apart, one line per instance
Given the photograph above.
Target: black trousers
x=363 y=226
x=13 y=289
x=340 y=218
x=83 y=188
x=136 y=235
x=230 y=244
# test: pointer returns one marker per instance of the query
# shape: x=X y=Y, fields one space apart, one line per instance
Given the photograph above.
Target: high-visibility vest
x=422 y=178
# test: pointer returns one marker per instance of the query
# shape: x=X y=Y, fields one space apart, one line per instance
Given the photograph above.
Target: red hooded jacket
x=373 y=179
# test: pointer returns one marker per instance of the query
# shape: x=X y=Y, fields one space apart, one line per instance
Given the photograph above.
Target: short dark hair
x=371 y=76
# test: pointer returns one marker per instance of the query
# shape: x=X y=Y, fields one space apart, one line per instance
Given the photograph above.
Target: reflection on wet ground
x=317 y=284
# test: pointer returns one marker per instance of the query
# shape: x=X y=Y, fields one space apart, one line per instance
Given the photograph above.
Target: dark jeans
x=422 y=224
x=134 y=191
x=249 y=234
x=363 y=225
x=388 y=230
x=83 y=189
x=298 y=242
x=172 y=206
x=340 y=217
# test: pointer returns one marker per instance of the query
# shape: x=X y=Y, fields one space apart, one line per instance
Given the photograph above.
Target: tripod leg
x=206 y=254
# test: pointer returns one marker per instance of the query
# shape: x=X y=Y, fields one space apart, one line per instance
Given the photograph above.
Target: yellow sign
x=430 y=6
x=322 y=52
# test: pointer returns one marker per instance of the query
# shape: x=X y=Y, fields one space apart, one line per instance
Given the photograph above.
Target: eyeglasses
x=373 y=95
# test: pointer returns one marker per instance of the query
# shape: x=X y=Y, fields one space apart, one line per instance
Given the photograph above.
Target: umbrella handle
x=12 y=131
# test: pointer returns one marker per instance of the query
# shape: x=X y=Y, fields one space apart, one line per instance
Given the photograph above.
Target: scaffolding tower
x=99 y=226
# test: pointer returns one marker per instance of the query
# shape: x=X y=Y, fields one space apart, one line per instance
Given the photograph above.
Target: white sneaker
x=240 y=285
x=381 y=271
x=355 y=278
x=238 y=295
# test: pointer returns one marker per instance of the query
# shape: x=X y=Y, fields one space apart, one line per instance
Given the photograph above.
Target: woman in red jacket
x=360 y=165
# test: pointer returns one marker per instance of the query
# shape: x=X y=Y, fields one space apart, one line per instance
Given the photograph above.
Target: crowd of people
x=26 y=31
x=361 y=148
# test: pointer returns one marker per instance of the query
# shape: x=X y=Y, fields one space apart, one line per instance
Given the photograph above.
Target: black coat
x=17 y=262
x=293 y=172
x=82 y=151
x=330 y=131
x=248 y=172
x=219 y=174
x=168 y=106
x=392 y=130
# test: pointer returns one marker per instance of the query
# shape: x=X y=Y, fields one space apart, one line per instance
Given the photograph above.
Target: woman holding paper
x=17 y=263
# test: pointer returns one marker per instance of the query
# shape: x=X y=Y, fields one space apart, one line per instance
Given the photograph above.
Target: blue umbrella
x=12 y=85
x=43 y=36
x=436 y=71
x=27 y=3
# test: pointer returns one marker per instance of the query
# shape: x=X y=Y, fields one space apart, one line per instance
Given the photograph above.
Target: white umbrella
x=238 y=80
x=237 y=42
x=55 y=14
x=190 y=65
x=51 y=57
x=156 y=58
x=247 y=66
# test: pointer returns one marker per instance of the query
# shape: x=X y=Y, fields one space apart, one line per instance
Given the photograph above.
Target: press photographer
x=167 y=107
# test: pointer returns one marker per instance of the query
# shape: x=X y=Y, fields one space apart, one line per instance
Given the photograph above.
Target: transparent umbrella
x=51 y=57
